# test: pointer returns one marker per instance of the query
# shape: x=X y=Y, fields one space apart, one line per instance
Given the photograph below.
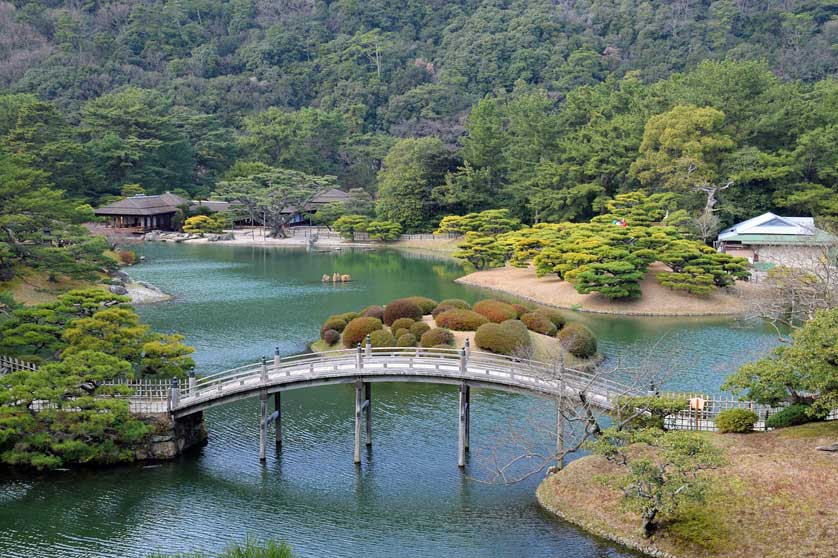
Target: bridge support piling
x=468 y=417
x=263 y=424
x=278 y=419
x=359 y=386
x=463 y=428
x=368 y=412
x=559 y=435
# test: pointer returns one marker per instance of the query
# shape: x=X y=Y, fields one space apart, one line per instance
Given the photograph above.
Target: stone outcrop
x=172 y=437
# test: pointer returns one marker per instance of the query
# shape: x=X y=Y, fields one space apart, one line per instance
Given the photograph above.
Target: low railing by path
x=702 y=415
x=11 y=364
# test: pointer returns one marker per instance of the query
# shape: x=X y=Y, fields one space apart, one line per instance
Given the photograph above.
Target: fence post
x=368 y=345
x=174 y=394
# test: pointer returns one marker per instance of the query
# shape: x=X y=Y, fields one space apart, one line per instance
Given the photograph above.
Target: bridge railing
x=477 y=365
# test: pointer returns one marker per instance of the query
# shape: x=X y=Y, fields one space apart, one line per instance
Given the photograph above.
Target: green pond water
x=408 y=498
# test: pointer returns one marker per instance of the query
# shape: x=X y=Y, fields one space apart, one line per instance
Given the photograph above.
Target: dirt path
x=655 y=300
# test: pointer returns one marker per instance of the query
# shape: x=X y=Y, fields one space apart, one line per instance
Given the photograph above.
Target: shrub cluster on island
x=492 y=325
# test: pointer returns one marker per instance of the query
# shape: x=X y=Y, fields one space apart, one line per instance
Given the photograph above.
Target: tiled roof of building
x=774 y=229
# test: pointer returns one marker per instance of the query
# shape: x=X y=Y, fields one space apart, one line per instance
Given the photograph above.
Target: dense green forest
x=548 y=108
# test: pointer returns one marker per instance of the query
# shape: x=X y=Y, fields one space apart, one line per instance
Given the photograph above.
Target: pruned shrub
x=521 y=309
x=456 y=303
x=437 y=336
x=382 y=338
x=126 y=257
x=735 y=420
x=419 y=328
x=401 y=308
x=461 y=320
x=539 y=323
x=578 y=340
x=347 y=316
x=406 y=340
x=356 y=330
x=330 y=336
x=653 y=409
x=495 y=310
x=554 y=316
x=503 y=339
x=337 y=324
x=442 y=308
x=426 y=304
x=791 y=416
x=399 y=332
x=402 y=323
x=374 y=311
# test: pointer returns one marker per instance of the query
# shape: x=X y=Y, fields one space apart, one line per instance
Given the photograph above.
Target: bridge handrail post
x=368 y=345
x=263 y=376
x=277 y=360
x=463 y=361
x=192 y=380
x=468 y=348
x=359 y=358
x=174 y=394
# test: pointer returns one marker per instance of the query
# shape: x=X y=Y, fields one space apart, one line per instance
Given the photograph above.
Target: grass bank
x=29 y=287
x=776 y=497
x=656 y=300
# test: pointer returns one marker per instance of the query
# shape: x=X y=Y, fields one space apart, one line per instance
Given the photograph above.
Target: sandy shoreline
x=656 y=300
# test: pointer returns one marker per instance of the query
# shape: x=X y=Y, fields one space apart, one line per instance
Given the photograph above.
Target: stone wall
x=171 y=437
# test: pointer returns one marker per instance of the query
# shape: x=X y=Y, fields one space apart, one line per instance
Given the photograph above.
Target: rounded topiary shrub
x=539 y=323
x=419 y=328
x=399 y=332
x=437 y=336
x=503 y=339
x=735 y=420
x=402 y=323
x=382 y=338
x=456 y=303
x=426 y=304
x=358 y=329
x=442 y=308
x=495 y=310
x=461 y=320
x=347 y=316
x=401 y=308
x=330 y=336
x=554 y=316
x=578 y=340
x=336 y=324
x=791 y=416
x=521 y=309
x=374 y=311
x=406 y=340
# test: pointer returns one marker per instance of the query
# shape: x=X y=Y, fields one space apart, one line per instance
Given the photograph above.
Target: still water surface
x=407 y=499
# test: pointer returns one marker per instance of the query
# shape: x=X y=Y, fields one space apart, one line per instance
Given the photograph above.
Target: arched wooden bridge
x=365 y=366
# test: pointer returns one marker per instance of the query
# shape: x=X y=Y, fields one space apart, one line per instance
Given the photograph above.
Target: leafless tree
x=519 y=453
x=792 y=293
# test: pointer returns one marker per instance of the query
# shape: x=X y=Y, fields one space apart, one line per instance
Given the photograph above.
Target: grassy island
x=773 y=497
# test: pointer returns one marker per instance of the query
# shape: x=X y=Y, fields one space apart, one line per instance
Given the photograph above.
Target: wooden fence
x=11 y=364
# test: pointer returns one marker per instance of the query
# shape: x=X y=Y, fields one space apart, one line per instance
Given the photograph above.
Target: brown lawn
x=655 y=300
x=777 y=497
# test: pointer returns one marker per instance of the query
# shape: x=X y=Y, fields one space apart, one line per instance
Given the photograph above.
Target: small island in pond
x=494 y=326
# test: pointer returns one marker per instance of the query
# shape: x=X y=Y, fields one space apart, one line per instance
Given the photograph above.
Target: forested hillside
x=545 y=107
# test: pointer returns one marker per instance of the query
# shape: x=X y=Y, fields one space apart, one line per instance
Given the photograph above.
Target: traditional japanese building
x=770 y=240
x=143 y=213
